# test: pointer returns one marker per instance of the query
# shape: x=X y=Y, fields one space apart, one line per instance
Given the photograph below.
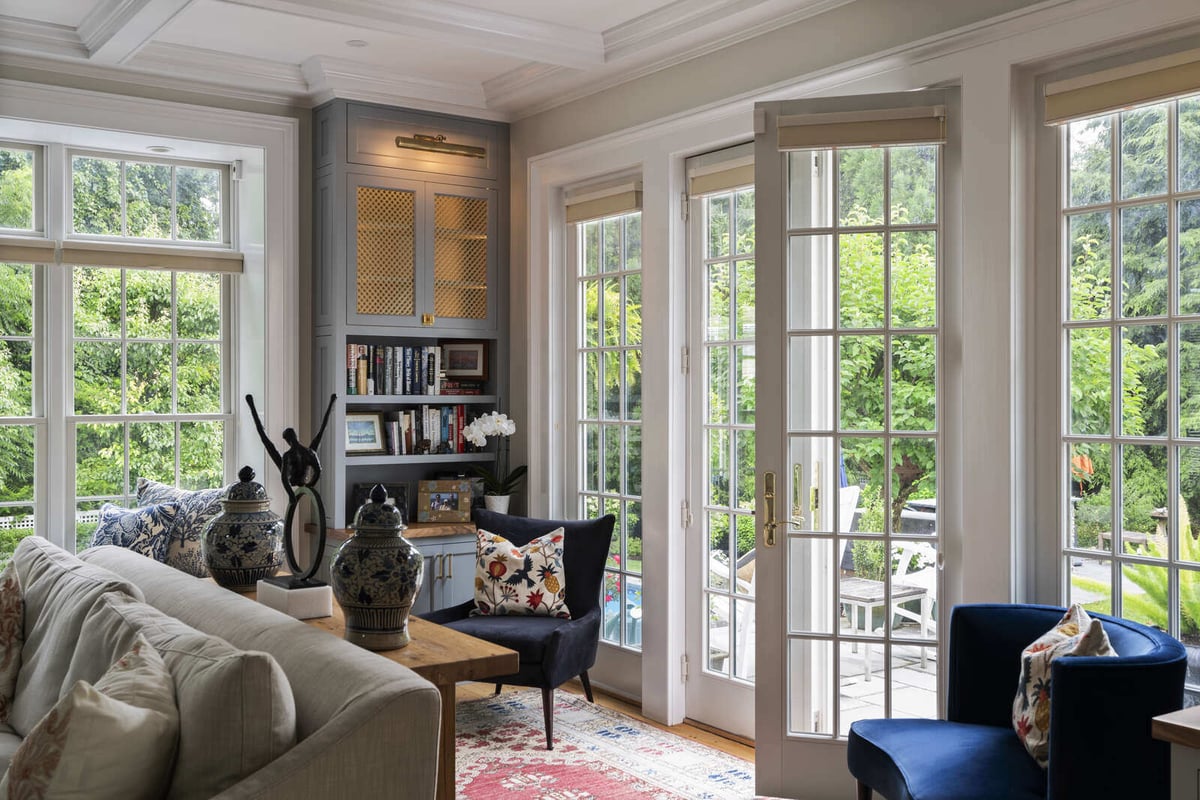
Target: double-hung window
x=119 y=330
x=1129 y=321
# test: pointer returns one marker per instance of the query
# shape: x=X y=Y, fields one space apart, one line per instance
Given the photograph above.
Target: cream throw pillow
x=1076 y=634
x=12 y=636
x=113 y=740
x=525 y=580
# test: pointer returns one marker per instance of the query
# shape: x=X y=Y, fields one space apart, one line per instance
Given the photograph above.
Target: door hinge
x=683 y=667
x=684 y=360
x=683 y=206
x=685 y=515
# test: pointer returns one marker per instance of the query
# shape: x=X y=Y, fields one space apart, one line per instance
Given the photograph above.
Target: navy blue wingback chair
x=1100 y=712
x=552 y=651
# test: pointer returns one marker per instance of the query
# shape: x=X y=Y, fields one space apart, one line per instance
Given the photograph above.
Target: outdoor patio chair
x=552 y=650
x=1101 y=707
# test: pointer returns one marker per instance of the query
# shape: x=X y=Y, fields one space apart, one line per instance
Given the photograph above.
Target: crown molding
x=115 y=30
x=333 y=77
x=492 y=32
x=219 y=68
x=40 y=38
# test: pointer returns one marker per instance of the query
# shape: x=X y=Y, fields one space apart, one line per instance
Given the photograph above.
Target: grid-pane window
x=113 y=197
x=728 y=366
x=17 y=188
x=149 y=377
x=1130 y=320
x=609 y=413
x=18 y=427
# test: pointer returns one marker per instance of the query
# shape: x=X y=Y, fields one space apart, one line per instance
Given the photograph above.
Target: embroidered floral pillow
x=142 y=530
x=525 y=580
x=1076 y=634
x=115 y=739
x=195 y=510
x=12 y=636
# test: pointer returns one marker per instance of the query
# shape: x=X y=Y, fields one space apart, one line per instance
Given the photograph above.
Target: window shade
x=891 y=126
x=587 y=204
x=1123 y=87
x=721 y=170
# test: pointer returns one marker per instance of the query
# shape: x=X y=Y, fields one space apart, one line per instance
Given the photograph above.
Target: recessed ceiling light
x=356 y=43
x=160 y=148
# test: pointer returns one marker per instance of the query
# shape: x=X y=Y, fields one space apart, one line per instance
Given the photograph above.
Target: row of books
x=407 y=431
x=390 y=370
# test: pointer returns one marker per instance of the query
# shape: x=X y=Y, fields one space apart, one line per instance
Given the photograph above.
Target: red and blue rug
x=598 y=754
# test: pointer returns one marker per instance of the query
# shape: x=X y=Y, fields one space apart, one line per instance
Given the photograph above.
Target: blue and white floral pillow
x=195 y=510
x=142 y=530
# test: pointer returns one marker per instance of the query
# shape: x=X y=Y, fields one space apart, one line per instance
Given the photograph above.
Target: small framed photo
x=465 y=360
x=444 y=501
x=397 y=496
x=364 y=433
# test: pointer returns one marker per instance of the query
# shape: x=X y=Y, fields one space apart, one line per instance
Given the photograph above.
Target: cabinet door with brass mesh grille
x=463 y=230
x=386 y=252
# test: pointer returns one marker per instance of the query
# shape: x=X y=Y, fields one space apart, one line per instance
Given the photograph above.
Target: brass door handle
x=450 y=566
x=441 y=566
x=769 y=523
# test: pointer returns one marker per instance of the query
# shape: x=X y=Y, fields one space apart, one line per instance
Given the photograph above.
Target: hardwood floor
x=696 y=732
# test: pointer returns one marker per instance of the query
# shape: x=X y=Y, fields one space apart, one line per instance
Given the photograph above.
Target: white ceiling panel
x=271 y=35
x=56 y=12
x=587 y=14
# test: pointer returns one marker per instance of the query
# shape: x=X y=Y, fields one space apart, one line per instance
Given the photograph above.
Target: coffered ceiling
x=495 y=58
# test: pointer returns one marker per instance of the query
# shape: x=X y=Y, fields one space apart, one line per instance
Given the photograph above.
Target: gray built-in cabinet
x=410 y=248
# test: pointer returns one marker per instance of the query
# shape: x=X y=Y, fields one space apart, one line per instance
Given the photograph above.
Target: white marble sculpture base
x=306 y=603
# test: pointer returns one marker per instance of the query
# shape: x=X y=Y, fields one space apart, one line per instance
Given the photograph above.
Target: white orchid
x=477 y=432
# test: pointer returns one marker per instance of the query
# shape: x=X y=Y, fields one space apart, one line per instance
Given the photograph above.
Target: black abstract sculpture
x=299 y=469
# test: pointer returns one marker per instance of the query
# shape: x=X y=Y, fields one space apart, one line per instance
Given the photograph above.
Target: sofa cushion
x=12 y=636
x=59 y=591
x=236 y=709
x=9 y=742
x=196 y=508
x=143 y=530
x=929 y=759
x=82 y=748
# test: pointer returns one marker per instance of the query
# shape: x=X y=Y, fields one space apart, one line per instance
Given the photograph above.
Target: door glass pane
x=810 y=189
x=1143 y=152
x=913 y=175
x=744 y=453
x=1189 y=254
x=717 y=311
x=860 y=280
x=914 y=383
x=1090 y=470
x=1143 y=380
x=718 y=225
x=864 y=677
x=633 y=310
x=1143 y=492
x=860 y=186
x=914 y=681
x=811 y=686
x=719 y=388
x=744 y=300
x=718 y=633
x=1089 y=145
x=810 y=282
x=1187 y=509
x=914 y=279
x=914 y=589
x=863 y=569
x=1144 y=594
x=810 y=357
x=1090 y=584
x=720 y=475
x=1091 y=265
x=1144 y=260
x=811 y=584
x=811 y=474
x=744 y=371
x=1091 y=380
x=861 y=359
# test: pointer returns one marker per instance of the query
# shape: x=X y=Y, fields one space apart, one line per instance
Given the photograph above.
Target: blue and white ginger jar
x=244 y=543
x=376 y=575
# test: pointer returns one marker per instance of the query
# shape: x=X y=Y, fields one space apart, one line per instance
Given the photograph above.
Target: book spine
x=460 y=414
x=406 y=387
x=419 y=370
x=437 y=370
x=431 y=371
x=351 y=369
x=360 y=371
x=387 y=370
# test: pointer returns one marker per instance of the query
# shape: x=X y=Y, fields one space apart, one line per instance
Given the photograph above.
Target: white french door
x=849 y=427
x=721 y=480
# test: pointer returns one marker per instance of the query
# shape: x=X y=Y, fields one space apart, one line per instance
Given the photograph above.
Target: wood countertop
x=416 y=530
x=1178 y=727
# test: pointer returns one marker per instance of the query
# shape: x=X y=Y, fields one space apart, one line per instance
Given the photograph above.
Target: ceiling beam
x=115 y=30
x=492 y=32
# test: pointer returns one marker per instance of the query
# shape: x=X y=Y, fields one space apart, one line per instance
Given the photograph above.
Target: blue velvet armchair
x=552 y=651
x=1100 y=743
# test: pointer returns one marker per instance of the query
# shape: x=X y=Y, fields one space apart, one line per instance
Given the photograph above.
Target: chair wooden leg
x=587 y=686
x=864 y=791
x=499 y=686
x=548 y=713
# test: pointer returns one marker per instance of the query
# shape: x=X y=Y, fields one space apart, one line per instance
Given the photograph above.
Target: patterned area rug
x=598 y=754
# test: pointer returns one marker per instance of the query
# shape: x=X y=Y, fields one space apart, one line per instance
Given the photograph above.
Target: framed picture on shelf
x=364 y=433
x=465 y=360
x=397 y=496
x=444 y=501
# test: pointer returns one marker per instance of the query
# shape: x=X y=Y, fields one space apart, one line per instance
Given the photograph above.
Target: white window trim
x=268 y=147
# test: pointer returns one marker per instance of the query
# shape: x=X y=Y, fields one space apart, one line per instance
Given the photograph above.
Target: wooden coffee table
x=442 y=656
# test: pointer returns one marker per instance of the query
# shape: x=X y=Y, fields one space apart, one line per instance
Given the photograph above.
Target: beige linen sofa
x=321 y=718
